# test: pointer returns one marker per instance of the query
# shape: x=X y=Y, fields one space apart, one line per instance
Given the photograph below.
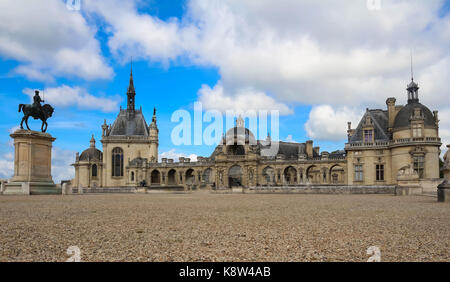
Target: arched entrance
x=268 y=175
x=313 y=174
x=290 y=175
x=155 y=178
x=235 y=176
x=190 y=177
x=207 y=176
x=171 y=177
x=337 y=174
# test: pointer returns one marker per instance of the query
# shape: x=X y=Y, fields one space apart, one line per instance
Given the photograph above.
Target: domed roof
x=404 y=115
x=241 y=134
x=92 y=154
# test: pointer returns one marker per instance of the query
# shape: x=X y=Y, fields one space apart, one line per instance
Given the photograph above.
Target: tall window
x=419 y=165
x=368 y=136
x=94 y=170
x=117 y=162
x=359 y=175
x=380 y=172
x=417 y=130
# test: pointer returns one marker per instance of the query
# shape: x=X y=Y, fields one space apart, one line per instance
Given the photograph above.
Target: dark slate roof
x=403 y=117
x=380 y=122
x=337 y=154
x=240 y=132
x=92 y=154
x=290 y=150
x=124 y=126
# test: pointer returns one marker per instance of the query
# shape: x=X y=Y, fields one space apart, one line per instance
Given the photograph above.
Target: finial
x=412 y=72
x=154 y=111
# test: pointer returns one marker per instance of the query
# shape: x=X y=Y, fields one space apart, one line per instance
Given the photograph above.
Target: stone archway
x=171 y=177
x=235 y=176
x=190 y=177
x=313 y=174
x=290 y=175
x=155 y=177
x=337 y=174
x=268 y=174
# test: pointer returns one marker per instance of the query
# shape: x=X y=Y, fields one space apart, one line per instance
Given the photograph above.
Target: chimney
x=316 y=150
x=309 y=148
x=436 y=117
x=390 y=102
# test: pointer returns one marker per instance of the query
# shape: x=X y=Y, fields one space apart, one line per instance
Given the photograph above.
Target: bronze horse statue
x=43 y=113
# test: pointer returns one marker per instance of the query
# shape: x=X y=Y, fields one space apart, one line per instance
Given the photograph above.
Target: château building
x=385 y=147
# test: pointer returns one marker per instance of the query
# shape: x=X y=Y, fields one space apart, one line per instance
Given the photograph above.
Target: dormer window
x=417 y=131
x=368 y=136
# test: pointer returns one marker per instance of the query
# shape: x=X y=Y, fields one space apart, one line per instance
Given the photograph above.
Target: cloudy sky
x=319 y=63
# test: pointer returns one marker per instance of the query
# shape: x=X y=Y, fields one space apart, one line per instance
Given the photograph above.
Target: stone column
x=32 y=164
x=444 y=189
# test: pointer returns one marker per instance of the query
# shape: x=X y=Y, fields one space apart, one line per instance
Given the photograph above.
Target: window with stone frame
x=419 y=165
x=94 y=171
x=417 y=130
x=359 y=174
x=368 y=136
x=379 y=172
x=117 y=162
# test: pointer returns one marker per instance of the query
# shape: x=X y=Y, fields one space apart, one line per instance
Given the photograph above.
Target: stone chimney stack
x=309 y=148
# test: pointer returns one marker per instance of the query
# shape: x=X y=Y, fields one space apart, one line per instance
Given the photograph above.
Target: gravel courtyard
x=235 y=227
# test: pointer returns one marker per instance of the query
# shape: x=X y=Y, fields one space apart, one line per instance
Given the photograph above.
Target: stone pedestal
x=408 y=182
x=32 y=164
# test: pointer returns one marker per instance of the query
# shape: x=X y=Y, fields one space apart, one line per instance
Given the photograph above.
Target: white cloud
x=244 y=100
x=7 y=165
x=289 y=138
x=326 y=123
x=61 y=164
x=310 y=52
x=49 y=40
x=65 y=96
x=173 y=154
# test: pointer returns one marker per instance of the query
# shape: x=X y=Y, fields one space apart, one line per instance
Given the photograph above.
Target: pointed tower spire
x=92 y=142
x=413 y=87
x=131 y=93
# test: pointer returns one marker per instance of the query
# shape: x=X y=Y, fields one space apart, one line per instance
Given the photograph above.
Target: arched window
x=94 y=170
x=132 y=176
x=117 y=162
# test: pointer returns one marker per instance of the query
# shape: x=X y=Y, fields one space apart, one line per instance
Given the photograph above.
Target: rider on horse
x=37 y=100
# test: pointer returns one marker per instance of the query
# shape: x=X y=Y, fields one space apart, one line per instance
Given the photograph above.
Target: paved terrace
x=235 y=227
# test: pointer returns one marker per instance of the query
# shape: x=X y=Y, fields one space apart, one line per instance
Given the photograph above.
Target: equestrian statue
x=37 y=111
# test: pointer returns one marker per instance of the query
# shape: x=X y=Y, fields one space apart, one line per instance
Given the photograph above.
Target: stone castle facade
x=387 y=147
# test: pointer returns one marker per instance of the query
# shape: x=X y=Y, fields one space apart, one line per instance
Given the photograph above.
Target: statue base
x=32 y=164
x=31 y=188
x=443 y=192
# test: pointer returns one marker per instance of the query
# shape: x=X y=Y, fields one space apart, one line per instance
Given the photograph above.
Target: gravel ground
x=235 y=227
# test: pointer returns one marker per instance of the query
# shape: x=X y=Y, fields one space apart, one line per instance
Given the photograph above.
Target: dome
x=91 y=154
x=404 y=115
x=240 y=133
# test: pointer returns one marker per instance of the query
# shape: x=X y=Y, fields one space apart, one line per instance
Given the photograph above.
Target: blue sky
x=319 y=64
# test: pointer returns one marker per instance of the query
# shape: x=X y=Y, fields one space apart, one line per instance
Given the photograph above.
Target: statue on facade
x=37 y=111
